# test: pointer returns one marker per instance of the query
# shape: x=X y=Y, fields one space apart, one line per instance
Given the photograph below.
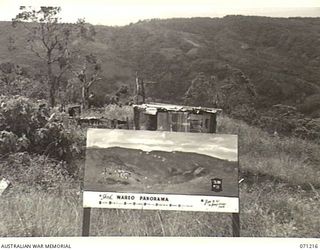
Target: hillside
x=274 y=59
x=279 y=195
x=280 y=56
x=130 y=170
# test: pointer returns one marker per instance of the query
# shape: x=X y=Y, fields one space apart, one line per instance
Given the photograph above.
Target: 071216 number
x=309 y=246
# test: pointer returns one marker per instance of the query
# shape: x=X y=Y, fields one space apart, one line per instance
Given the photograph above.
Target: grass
x=38 y=214
x=111 y=112
x=290 y=160
x=270 y=211
x=279 y=197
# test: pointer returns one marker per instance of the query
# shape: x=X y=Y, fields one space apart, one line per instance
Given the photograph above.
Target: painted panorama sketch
x=161 y=162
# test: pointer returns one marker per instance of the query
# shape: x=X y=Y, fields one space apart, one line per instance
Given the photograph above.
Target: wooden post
x=86 y=221
x=136 y=118
x=143 y=93
x=136 y=89
x=235 y=224
x=127 y=123
x=213 y=123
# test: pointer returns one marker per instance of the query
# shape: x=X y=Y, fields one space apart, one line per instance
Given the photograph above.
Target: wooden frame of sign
x=183 y=166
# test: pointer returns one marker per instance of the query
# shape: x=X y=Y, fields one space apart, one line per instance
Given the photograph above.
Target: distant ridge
x=281 y=56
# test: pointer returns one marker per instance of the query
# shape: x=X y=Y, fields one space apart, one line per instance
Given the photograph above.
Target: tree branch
x=61 y=73
x=37 y=53
x=93 y=81
x=54 y=43
x=42 y=38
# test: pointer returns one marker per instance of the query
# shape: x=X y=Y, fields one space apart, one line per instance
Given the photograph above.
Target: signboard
x=136 y=169
x=4 y=184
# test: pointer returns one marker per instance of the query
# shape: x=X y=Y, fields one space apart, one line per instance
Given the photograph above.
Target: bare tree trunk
x=139 y=90
x=85 y=96
x=51 y=82
x=52 y=94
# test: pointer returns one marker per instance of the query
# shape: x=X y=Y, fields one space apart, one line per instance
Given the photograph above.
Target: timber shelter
x=169 y=117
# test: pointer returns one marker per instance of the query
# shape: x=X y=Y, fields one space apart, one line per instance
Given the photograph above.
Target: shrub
x=308 y=129
x=244 y=112
x=116 y=112
x=9 y=142
x=57 y=142
x=27 y=126
x=20 y=115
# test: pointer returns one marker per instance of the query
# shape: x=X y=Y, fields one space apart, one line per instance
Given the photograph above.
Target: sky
x=123 y=12
x=220 y=146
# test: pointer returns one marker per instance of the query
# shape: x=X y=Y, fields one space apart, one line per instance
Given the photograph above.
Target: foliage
x=161 y=51
x=25 y=125
x=245 y=113
x=277 y=56
x=311 y=105
x=87 y=72
x=49 y=39
x=111 y=111
x=202 y=92
x=279 y=194
x=287 y=120
x=9 y=142
x=227 y=89
x=53 y=140
x=308 y=129
x=14 y=80
x=20 y=115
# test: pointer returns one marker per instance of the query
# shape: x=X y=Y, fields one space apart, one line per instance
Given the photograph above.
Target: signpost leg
x=86 y=221
x=235 y=224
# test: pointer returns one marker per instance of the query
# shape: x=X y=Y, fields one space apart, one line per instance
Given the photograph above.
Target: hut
x=168 y=117
x=74 y=110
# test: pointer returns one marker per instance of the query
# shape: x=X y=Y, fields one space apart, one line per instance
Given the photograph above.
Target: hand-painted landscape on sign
x=157 y=162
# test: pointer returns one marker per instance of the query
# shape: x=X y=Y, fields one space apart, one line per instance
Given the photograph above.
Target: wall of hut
x=178 y=121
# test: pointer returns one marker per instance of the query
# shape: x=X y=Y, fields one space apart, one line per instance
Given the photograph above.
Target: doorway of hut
x=151 y=122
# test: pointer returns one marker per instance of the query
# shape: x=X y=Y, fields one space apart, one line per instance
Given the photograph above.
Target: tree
x=203 y=92
x=11 y=44
x=87 y=72
x=49 y=40
x=227 y=91
x=15 y=80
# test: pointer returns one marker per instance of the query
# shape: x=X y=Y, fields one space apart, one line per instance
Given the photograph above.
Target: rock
x=199 y=171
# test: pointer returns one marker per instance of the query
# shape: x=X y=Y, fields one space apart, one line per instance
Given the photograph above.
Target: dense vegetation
x=264 y=61
x=263 y=71
x=279 y=193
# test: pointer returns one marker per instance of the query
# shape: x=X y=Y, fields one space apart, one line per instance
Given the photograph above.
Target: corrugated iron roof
x=176 y=108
